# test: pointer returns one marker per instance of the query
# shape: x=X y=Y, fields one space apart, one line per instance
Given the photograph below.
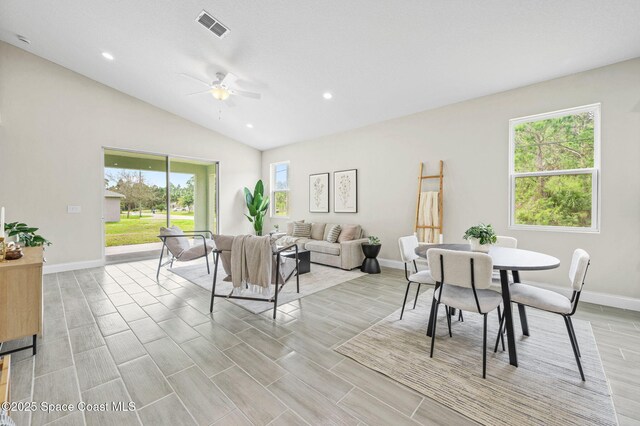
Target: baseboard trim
x=605 y=299
x=72 y=266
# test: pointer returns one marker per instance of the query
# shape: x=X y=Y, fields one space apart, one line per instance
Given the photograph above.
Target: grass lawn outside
x=140 y=230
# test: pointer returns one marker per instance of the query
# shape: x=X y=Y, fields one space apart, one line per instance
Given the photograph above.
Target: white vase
x=476 y=246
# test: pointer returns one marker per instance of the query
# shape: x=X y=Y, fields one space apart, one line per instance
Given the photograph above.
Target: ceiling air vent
x=212 y=24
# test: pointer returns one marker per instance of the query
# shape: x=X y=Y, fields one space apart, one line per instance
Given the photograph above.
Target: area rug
x=320 y=278
x=544 y=389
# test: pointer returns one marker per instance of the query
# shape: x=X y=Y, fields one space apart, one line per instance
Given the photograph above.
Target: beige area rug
x=320 y=278
x=545 y=388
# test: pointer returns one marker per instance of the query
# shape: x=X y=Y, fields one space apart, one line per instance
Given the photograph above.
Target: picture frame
x=319 y=193
x=345 y=191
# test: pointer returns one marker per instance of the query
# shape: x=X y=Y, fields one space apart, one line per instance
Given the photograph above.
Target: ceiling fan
x=222 y=88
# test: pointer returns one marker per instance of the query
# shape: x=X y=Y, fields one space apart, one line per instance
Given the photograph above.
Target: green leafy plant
x=484 y=233
x=374 y=241
x=258 y=205
x=25 y=234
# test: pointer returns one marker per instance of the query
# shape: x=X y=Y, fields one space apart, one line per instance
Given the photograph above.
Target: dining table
x=505 y=260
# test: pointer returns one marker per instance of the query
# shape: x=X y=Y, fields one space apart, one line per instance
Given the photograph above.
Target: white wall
x=472 y=139
x=54 y=125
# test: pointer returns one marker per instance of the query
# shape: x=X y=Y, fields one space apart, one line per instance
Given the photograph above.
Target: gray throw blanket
x=251 y=264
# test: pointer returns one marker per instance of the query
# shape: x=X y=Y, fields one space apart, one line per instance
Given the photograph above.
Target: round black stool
x=370 y=264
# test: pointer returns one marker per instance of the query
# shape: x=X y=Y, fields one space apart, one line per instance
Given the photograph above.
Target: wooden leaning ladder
x=421 y=178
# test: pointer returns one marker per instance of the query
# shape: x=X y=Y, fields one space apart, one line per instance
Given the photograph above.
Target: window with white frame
x=554 y=162
x=280 y=189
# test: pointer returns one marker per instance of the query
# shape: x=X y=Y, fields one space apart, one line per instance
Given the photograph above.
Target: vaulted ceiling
x=380 y=59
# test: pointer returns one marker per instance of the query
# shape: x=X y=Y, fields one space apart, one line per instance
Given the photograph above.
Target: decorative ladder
x=421 y=178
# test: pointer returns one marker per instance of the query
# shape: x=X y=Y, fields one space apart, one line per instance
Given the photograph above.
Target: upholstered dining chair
x=503 y=241
x=408 y=246
x=551 y=301
x=462 y=282
x=177 y=243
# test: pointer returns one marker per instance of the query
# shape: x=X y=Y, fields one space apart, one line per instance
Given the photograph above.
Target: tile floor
x=115 y=334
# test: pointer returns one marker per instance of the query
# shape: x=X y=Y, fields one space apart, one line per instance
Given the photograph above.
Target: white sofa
x=345 y=254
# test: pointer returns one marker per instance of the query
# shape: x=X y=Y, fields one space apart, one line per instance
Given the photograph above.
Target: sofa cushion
x=317 y=231
x=349 y=233
x=323 y=247
x=333 y=234
x=327 y=228
x=290 y=226
x=302 y=230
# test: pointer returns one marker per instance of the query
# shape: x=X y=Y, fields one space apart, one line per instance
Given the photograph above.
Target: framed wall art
x=345 y=191
x=319 y=193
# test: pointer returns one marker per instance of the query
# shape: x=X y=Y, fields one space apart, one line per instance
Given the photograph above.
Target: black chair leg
x=433 y=326
x=523 y=319
x=449 y=320
x=208 y=270
x=416 y=299
x=406 y=293
x=500 y=337
x=484 y=348
x=159 y=264
x=460 y=318
x=573 y=346
x=575 y=339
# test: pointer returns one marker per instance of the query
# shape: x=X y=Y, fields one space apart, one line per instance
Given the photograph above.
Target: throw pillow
x=333 y=234
x=349 y=233
x=176 y=245
x=317 y=231
x=302 y=230
x=290 y=226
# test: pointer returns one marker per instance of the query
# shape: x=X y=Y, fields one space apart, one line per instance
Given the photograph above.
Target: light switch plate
x=74 y=209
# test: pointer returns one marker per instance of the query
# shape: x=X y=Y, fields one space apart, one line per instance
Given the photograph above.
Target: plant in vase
x=25 y=234
x=480 y=237
x=374 y=241
x=257 y=204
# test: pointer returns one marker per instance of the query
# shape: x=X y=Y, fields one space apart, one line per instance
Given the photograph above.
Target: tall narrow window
x=280 y=189
x=554 y=165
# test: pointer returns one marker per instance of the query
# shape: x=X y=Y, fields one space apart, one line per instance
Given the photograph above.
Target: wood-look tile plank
x=168 y=411
x=257 y=365
x=178 y=330
x=256 y=403
x=263 y=343
x=206 y=356
x=95 y=367
x=217 y=335
x=111 y=324
x=203 y=399
x=53 y=356
x=147 y=330
x=168 y=356
x=110 y=393
x=124 y=347
x=372 y=411
x=310 y=404
x=59 y=387
x=85 y=338
x=144 y=381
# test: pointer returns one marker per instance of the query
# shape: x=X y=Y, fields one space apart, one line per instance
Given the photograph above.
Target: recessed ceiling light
x=108 y=56
x=327 y=95
x=249 y=125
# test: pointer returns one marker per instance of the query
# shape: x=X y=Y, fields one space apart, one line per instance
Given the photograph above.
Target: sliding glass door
x=143 y=192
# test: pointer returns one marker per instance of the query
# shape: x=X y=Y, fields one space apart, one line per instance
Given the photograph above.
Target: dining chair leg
x=575 y=339
x=415 y=301
x=573 y=346
x=208 y=269
x=460 y=318
x=523 y=319
x=448 y=320
x=406 y=293
x=433 y=325
x=159 y=264
x=500 y=337
x=484 y=348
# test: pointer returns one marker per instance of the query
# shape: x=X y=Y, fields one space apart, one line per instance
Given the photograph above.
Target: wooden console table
x=5 y=381
x=21 y=298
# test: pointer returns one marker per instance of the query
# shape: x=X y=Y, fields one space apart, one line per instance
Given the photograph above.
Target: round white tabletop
x=504 y=258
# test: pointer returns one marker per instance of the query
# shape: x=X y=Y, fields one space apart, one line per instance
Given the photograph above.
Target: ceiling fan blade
x=228 y=79
x=199 y=93
x=195 y=79
x=245 y=94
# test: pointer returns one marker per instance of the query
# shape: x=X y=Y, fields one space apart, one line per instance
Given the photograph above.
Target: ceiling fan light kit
x=222 y=89
x=220 y=93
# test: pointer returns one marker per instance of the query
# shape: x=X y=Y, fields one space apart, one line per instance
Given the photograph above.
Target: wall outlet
x=74 y=209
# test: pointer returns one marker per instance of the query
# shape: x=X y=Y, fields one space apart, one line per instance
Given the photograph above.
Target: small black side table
x=370 y=264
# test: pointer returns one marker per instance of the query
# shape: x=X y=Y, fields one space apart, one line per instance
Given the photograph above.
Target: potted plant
x=480 y=237
x=25 y=234
x=371 y=250
x=257 y=204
